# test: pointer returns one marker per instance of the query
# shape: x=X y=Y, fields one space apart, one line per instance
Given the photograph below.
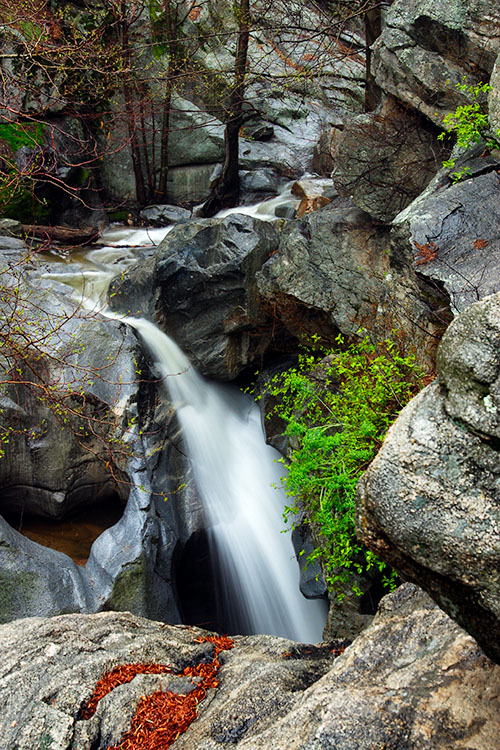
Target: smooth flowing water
x=237 y=474
x=239 y=480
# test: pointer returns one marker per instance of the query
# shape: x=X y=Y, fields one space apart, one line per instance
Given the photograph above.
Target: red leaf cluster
x=426 y=253
x=161 y=717
x=195 y=12
x=118 y=676
x=480 y=244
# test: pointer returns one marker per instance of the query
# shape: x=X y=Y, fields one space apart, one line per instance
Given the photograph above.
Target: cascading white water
x=238 y=479
x=236 y=472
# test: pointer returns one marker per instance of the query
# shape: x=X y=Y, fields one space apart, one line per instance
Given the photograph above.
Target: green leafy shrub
x=469 y=123
x=337 y=407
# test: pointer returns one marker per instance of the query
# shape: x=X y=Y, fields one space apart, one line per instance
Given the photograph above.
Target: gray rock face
x=68 y=655
x=429 y=503
x=494 y=97
x=189 y=183
x=38 y=580
x=67 y=145
x=203 y=284
x=196 y=144
x=427 y=47
x=54 y=461
x=317 y=268
x=401 y=684
x=384 y=159
x=451 y=231
x=469 y=368
x=48 y=466
x=197 y=138
x=50 y=470
x=163 y=215
x=333 y=272
x=259 y=182
x=208 y=301
x=286 y=155
x=412 y=679
x=10 y=228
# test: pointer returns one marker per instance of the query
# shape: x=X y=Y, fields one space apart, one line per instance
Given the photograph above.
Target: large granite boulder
x=429 y=503
x=201 y=288
x=451 y=232
x=426 y=48
x=413 y=679
x=384 y=159
x=333 y=272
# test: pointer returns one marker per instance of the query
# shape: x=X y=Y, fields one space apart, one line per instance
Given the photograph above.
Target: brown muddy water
x=73 y=535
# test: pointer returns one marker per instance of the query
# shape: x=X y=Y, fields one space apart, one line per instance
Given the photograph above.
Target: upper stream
x=236 y=472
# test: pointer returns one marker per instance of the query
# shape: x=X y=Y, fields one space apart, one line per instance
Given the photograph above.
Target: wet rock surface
x=384 y=159
x=208 y=301
x=202 y=284
x=333 y=272
x=159 y=215
x=410 y=680
x=451 y=231
x=49 y=469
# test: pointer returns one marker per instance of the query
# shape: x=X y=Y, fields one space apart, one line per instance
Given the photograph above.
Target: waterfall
x=239 y=482
x=237 y=474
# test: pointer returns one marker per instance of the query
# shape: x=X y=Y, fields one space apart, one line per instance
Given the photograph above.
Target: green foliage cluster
x=469 y=123
x=17 y=200
x=16 y=134
x=337 y=407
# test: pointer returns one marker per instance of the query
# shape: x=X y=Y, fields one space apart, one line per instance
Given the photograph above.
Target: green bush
x=337 y=407
x=469 y=123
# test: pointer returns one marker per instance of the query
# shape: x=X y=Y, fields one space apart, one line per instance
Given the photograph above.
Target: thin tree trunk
x=373 y=29
x=165 y=133
x=145 y=151
x=130 y=115
x=227 y=189
x=172 y=30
